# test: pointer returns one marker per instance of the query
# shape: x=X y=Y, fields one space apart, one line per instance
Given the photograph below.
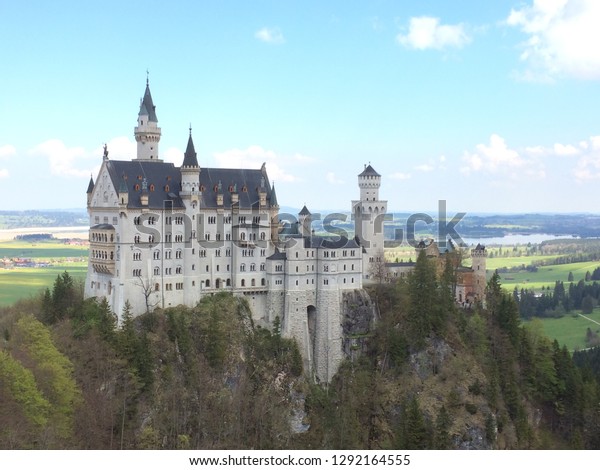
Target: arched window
x=243 y=282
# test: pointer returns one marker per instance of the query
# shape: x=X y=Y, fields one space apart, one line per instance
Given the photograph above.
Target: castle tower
x=274 y=215
x=478 y=256
x=369 y=213
x=147 y=132
x=190 y=172
x=304 y=222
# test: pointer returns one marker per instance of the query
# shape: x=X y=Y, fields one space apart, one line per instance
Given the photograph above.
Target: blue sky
x=491 y=106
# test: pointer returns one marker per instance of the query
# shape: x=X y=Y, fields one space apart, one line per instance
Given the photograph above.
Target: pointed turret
x=190 y=159
x=273 y=197
x=147 y=132
x=147 y=107
x=273 y=213
x=90 y=190
x=90 y=185
x=304 y=222
x=190 y=172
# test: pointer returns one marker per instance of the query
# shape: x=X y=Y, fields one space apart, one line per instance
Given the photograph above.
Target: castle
x=162 y=236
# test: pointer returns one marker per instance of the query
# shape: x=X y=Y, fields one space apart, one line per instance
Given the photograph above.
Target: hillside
x=427 y=375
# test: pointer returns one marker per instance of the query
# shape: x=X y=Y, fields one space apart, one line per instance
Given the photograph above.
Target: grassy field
x=18 y=283
x=21 y=283
x=41 y=250
x=546 y=276
x=571 y=329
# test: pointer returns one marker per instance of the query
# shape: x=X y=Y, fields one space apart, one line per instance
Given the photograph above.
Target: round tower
x=478 y=257
x=369 y=182
x=369 y=214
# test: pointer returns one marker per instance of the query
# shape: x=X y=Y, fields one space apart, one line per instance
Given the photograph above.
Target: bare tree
x=147 y=286
x=378 y=271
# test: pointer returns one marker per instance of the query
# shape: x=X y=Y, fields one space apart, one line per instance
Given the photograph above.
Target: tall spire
x=273 y=198
x=147 y=107
x=90 y=185
x=190 y=159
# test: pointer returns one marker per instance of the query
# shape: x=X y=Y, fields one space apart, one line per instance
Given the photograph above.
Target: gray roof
x=316 y=241
x=369 y=171
x=278 y=255
x=147 y=106
x=304 y=211
x=164 y=183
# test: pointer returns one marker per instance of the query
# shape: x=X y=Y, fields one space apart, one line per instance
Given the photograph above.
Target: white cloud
x=588 y=165
x=426 y=32
x=254 y=156
x=173 y=155
x=4 y=173
x=400 y=176
x=500 y=160
x=77 y=161
x=497 y=158
x=7 y=151
x=61 y=158
x=427 y=167
x=270 y=35
x=332 y=179
x=565 y=150
x=119 y=148
x=562 y=39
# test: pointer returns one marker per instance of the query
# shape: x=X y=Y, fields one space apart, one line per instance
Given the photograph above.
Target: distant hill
x=43 y=218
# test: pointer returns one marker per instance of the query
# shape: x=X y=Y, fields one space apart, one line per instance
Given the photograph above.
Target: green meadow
x=18 y=283
x=41 y=250
x=546 y=276
x=571 y=329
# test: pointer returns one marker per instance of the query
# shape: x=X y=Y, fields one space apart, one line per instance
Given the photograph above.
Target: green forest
x=427 y=375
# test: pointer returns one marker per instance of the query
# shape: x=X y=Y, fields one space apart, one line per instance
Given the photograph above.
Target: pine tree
x=443 y=422
x=424 y=308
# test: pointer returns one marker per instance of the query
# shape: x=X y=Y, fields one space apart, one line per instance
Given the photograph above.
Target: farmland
x=28 y=268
